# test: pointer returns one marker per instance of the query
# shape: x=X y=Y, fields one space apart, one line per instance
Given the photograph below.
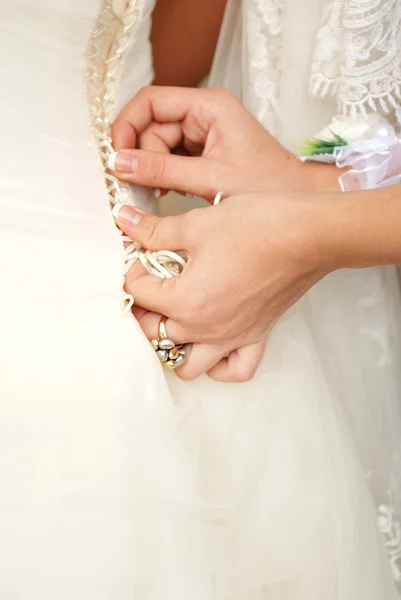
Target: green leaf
x=315 y=146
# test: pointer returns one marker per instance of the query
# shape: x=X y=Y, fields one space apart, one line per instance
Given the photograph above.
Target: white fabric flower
x=353 y=129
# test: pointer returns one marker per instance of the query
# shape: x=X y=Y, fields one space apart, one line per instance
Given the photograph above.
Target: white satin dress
x=116 y=484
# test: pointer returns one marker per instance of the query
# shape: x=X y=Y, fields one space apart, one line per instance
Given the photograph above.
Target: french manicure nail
x=126 y=214
x=123 y=162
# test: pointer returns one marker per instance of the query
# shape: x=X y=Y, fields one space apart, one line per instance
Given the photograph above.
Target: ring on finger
x=170 y=354
x=218 y=198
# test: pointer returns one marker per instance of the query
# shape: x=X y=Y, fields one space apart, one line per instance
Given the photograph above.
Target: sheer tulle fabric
x=353 y=316
x=117 y=485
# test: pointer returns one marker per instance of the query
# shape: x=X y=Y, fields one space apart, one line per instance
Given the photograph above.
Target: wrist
x=326 y=236
x=302 y=222
x=318 y=177
x=358 y=229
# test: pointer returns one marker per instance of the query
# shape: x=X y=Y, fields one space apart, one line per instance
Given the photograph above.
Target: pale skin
x=263 y=250
x=229 y=149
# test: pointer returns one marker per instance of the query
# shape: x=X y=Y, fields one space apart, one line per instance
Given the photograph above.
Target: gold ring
x=218 y=198
x=162 y=328
x=170 y=354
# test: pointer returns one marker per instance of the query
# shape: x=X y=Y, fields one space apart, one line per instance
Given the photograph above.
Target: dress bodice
x=52 y=188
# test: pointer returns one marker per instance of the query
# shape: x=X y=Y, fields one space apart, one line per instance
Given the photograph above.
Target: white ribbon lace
x=109 y=41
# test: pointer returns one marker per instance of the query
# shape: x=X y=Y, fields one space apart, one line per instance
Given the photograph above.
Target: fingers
x=137 y=270
x=221 y=365
x=152 y=293
x=160 y=104
x=149 y=323
x=200 y=357
x=195 y=175
x=240 y=365
x=157 y=120
x=150 y=231
x=161 y=137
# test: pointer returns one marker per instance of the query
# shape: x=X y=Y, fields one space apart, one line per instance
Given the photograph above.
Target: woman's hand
x=249 y=260
x=226 y=147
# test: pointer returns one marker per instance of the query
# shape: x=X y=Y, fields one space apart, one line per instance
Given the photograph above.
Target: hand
x=226 y=147
x=249 y=260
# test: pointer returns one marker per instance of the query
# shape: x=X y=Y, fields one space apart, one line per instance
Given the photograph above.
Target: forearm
x=359 y=229
x=184 y=37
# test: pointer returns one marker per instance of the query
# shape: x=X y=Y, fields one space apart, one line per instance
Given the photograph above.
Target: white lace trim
x=358 y=56
x=110 y=39
x=265 y=52
x=390 y=527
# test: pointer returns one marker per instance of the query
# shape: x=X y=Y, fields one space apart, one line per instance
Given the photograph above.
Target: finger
x=154 y=294
x=137 y=270
x=165 y=137
x=240 y=365
x=201 y=358
x=161 y=137
x=150 y=231
x=196 y=175
x=139 y=312
x=149 y=323
x=160 y=104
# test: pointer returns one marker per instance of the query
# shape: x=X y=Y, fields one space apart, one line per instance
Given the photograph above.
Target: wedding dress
x=116 y=484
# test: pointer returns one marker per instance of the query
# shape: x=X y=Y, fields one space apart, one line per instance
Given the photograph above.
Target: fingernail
x=157 y=193
x=123 y=162
x=126 y=214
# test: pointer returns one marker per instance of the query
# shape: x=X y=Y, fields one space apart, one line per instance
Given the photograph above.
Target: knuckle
x=194 y=308
x=132 y=275
x=245 y=372
x=129 y=285
x=223 y=94
x=147 y=136
x=219 y=101
x=144 y=91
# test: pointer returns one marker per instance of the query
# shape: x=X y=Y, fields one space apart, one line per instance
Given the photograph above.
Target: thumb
x=150 y=231
x=195 y=175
